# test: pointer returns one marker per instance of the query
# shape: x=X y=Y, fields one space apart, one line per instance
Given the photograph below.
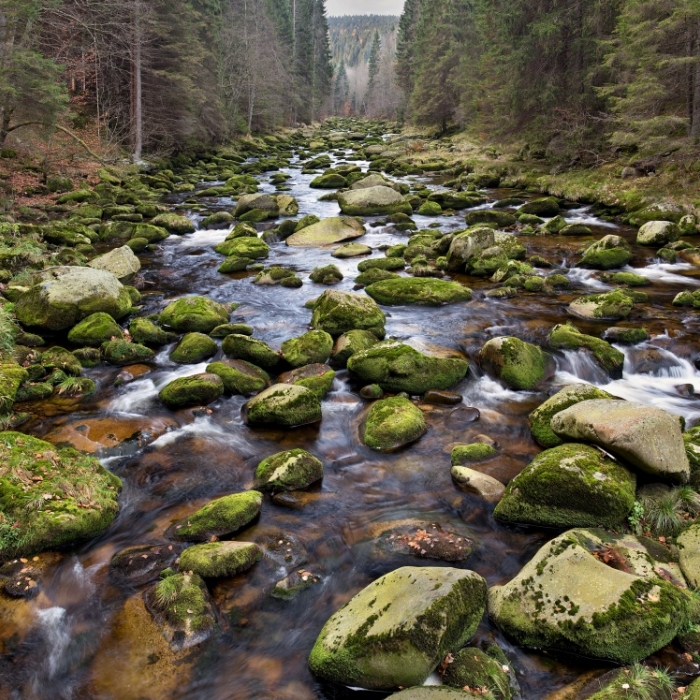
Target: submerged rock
x=284 y=405
x=396 y=631
x=288 y=471
x=141 y=564
x=393 y=423
x=519 y=365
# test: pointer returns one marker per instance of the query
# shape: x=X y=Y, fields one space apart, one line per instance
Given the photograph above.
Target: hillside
x=351 y=37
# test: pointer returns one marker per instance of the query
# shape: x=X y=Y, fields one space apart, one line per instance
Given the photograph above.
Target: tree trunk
x=137 y=123
x=695 y=119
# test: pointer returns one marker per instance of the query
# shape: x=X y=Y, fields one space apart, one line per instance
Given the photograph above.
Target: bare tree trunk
x=695 y=114
x=137 y=96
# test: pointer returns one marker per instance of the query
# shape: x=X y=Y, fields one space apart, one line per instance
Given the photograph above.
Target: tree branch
x=65 y=131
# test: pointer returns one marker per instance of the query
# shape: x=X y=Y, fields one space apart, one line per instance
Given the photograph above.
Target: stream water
x=85 y=637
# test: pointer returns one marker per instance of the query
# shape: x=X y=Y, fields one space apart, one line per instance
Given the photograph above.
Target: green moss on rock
x=419 y=291
x=240 y=377
x=194 y=348
x=284 y=405
x=220 y=559
x=519 y=365
x=291 y=470
x=567 y=337
x=121 y=352
x=195 y=313
x=312 y=347
x=197 y=390
x=393 y=423
x=146 y=332
x=243 y=347
x=339 y=312
x=468 y=454
x=94 y=330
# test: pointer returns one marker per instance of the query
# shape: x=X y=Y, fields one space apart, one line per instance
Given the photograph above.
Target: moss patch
x=393 y=423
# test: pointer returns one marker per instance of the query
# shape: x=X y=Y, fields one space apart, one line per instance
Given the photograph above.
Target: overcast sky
x=363 y=7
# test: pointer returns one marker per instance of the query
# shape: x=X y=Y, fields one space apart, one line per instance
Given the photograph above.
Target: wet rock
x=243 y=248
x=94 y=330
x=350 y=343
x=23 y=578
x=67 y=295
x=220 y=219
x=73 y=497
x=497 y=217
x=283 y=405
x=658 y=233
x=328 y=275
x=650 y=360
x=476 y=483
x=569 y=486
x=174 y=223
x=194 y=314
x=519 y=365
x=397 y=367
x=687 y=298
x=291 y=470
x=351 y=250
x=429 y=209
x=545 y=206
x=196 y=390
x=227 y=328
x=141 y=564
x=257 y=352
x=12 y=376
x=369 y=201
x=397 y=630
x=689 y=547
x=317 y=377
x=261 y=202
x=442 y=398
x=541 y=417
x=467 y=246
x=626 y=336
x=62 y=359
x=240 y=377
x=645 y=437
x=220 y=559
x=372 y=180
x=607 y=253
x=339 y=312
x=194 y=348
x=594 y=594
x=329 y=181
x=278 y=275
x=614 y=305
x=311 y=348
x=372 y=392
x=472 y=668
x=294 y=584
x=220 y=517
x=121 y=262
x=181 y=606
x=566 y=336
x=327 y=232
x=469 y=454
x=121 y=352
x=288 y=206
x=393 y=423
x=419 y=291
x=386 y=263
x=425 y=540
x=146 y=332
x=433 y=692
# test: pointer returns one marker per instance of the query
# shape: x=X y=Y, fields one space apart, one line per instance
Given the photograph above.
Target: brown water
x=85 y=637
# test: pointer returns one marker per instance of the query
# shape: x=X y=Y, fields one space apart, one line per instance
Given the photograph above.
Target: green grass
x=670 y=513
x=640 y=682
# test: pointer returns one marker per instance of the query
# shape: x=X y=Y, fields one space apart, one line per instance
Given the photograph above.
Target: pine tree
x=373 y=69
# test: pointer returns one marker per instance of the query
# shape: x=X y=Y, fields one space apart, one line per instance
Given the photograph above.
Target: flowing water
x=85 y=637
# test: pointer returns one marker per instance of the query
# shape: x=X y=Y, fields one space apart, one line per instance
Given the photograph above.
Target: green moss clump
x=419 y=291
x=227 y=328
x=393 y=423
x=310 y=348
x=429 y=209
x=50 y=497
x=569 y=486
x=145 y=332
x=350 y=343
x=153 y=234
x=545 y=206
x=242 y=347
x=329 y=274
x=284 y=405
x=468 y=454
x=219 y=518
x=557 y=281
x=121 y=352
x=220 y=559
x=382 y=264
x=567 y=337
x=33 y=392
x=194 y=313
x=629 y=279
x=12 y=376
x=60 y=358
x=473 y=668
x=339 y=312
x=613 y=305
x=240 y=377
x=493 y=217
x=329 y=181
x=519 y=365
x=194 y=348
x=541 y=417
x=234 y=263
x=174 y=223
x=219 y=219
x=244 y=247
x=197 y=390
x=374 y=275
x=288 y=471
x=94 y=330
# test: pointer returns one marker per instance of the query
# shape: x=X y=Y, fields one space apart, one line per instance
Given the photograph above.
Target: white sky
x=334 y=8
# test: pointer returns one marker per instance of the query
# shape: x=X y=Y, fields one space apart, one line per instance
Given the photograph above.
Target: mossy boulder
x=607 y=253
x=644 y=436
x=316 y=377
x=12 y=376
x=329 y=181
x=174 y=223
x=328 y=275
x=220 y=559
x=368 y=201
x=220 y=517
x=194 y=314
x=338 y=312
x=288 y=206
x=567 y=599
x=419 y=291
x=569 y=486
x=243 y=247
x=196 y=390
x=392 y=423
x=613 y=306
x=58 y=358
x=121 y=352
x=285 y=405
x=473 y=668
x=260 y=202
x=240 y=377
x=658 y=233
x=494 y=217
x=566 y=336
x=312 y=347
x=397 y=367
x=291 y=470
x=626 y=336
x=398 y=629
x=278 y=275
x=66 y=295
x=387 y=263
x=351 y=250
x=545 y=206
x=51 y=497
x=350 y=343
x=194 y=348
x=219 y=219
x=327 y=232
x=519 y=365
x=429 y=209
x=146 y=332
x=121 y=262
x=541 y=417
x=434 y=692
x=94 y=330
x=243 y=347
x=227 y=328
x=470 y=454
x=468 y=245
x=153 y=234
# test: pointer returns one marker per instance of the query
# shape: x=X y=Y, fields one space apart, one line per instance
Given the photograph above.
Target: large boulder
x=257 y=352
x=194 y=348
x=220 y=559
x=393 y=423
x=658 y=233
x=338 y=312
x=613 y=306
x=316 y=377
x=311 y=348
x=174 y=223
x=196 y=390
x=240 y=377
x=569 y=599
x=288 y=471
x=418 y=290
x=369 y=201
x=263 y=202
x=73 y=497
x=121 y=262
x=541 y=417
x=398 y=629
x=609 y=252
x=689 y=546
x=12 y=376
x=519 y=365
x=397 y=367
x=194 y=313
x=350 y=343
x=286 y=405
x=220 y=517
x=66 y=295
x=94 y=330
x=644 y=436
x=569 y=486
x=327 y=232
x=468 y=245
